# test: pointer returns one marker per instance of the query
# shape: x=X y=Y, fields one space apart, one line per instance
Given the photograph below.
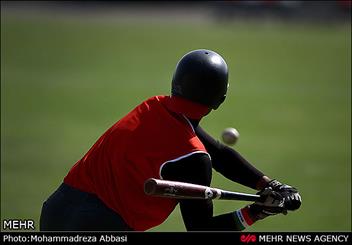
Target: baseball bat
x=182 y=190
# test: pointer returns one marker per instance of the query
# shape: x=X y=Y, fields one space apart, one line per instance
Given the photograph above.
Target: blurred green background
x=64 y=81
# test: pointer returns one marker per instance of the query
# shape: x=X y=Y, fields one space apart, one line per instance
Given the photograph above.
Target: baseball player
x=161 y=138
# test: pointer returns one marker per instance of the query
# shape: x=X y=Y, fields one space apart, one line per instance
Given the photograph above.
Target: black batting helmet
x=201 y=76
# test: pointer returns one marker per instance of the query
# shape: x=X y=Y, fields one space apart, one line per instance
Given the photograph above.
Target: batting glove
x=292 y=199
x=270 y=203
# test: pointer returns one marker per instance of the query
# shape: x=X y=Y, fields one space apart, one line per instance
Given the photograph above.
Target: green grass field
x=63 y=83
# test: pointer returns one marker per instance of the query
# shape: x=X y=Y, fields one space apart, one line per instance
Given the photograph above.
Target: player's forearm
x=229 y=162
x=262 y=182
x=196 y=219
x=235 y=221
x=233 y=166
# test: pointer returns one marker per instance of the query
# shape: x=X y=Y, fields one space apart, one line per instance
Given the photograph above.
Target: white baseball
x=230 y=136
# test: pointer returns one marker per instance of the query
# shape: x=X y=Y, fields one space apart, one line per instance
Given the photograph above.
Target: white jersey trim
x=179 y=158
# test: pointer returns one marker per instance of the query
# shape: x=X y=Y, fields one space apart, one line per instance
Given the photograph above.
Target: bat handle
x=228 y=195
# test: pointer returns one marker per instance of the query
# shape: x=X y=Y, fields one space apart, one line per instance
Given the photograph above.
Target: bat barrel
x=181 y=190
x=175 y=189
x=150 y=186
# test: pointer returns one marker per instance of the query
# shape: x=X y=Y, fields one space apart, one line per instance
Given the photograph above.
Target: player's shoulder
x=155 y=115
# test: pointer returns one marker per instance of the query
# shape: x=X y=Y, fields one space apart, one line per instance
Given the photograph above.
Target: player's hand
x=271 y=203
x=292 y=199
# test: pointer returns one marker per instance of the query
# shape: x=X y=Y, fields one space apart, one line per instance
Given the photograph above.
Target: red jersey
x=133 y=150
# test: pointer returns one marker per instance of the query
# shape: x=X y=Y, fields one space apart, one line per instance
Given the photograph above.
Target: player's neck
x=189 y=109
x=194 y=122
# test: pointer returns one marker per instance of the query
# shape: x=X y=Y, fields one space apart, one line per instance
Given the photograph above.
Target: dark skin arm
x=230 y=163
